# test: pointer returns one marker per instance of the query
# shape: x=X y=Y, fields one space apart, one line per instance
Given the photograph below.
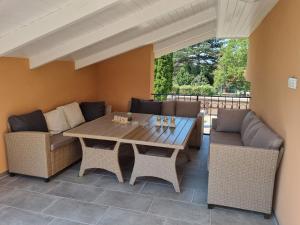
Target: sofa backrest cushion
x=251 y=130
x=56 y=121
x=150 y=107
x=92 y=110
x=230 y=120
x=34 y=121
x=73 y=114
x=168 y=108
x=266 y=138
x=134 y=105
x=246 y=121
x=187 y=109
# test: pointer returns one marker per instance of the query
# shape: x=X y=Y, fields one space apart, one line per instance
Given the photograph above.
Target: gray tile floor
x=97 y=198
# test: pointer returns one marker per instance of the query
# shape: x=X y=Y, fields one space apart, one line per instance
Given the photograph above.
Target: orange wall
x=23 y=90
x=274 y=55
x=125 y=76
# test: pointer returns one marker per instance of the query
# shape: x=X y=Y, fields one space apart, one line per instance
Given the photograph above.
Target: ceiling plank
x=145 y=15
x=185 y=39
x=165 y=32
x=51 y=23
x=239 y=18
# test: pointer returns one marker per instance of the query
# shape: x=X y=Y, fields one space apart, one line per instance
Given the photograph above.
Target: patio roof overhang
x=90 y=31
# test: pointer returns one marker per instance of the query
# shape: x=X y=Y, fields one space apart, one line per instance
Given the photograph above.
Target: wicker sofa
x=41 y=154
x=173 y=108
x=243 y=163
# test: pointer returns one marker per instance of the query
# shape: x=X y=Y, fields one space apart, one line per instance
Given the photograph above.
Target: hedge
x=205 y=89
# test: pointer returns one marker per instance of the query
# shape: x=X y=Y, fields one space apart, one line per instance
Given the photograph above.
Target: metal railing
x=210 y=104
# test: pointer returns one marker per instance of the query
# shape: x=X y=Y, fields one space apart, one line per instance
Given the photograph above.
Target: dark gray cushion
x=187 y=109
x=58 y=141
x=246 y=121
x=168 y=108
x=266 y=138
x=92 y=110
x=251 y=130
x=34 y=121
x=230 y=120
x=150 y=107
x=135 y=103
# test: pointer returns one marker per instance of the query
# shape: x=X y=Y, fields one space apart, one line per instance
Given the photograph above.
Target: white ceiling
x=89 y=31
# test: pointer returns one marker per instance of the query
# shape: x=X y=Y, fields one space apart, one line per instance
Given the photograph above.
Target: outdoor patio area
x=98 y=198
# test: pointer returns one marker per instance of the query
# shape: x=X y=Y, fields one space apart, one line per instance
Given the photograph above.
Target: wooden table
x=141 y=132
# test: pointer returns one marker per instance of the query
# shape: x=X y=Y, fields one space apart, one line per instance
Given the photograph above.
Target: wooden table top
x=141 y=131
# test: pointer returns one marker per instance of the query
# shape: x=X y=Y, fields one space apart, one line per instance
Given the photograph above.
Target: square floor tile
x=64 y=222
x=180 y=222
x=111 y=183
x=76 y=191
x=76 y=211
x=7 y=179
x=123 y=217
x=222 y=216
x=180 y=210
x=27 y=200
x=12 y=216
x=167 y=191
x=124 y=200
x=73 y=176
x=200 y=196
x=32 y=184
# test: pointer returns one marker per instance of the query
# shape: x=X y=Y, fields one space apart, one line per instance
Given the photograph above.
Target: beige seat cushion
x=230 y=120
x=56 y=121
x=187 y=109
x=73 y=114
x=58 y=141
x=225 y=138
x=168 y=108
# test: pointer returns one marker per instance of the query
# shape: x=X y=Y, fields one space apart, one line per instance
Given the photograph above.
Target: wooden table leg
x=101 y=158
x=155 y=166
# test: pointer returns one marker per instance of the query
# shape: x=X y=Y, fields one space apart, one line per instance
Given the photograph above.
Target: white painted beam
x=145 y=15
x=165 y=32
x=185 y=39
x=183 y=44
x=71 y=13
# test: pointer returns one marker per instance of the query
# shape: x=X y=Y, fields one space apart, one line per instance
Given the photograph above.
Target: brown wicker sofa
x=243 y=160
x=41 y=154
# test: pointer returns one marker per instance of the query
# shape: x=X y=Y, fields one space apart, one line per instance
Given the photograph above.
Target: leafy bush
x=175 y=89
x=205 y=89
x=185 y=90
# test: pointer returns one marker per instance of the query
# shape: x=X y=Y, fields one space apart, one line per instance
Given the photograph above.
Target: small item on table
x=120 y=119
x=129 y=116
x=166 y=121
x=158 y=121
x=172 y=123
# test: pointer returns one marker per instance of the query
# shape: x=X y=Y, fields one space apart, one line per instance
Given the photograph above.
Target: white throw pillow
x=56 y=121
x=73 y=114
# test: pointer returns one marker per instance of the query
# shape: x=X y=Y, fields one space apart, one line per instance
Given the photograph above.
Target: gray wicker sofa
x=41 y=153
x=243 y=160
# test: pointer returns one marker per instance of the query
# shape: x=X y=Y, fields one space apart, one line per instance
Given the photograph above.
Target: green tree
x=183 y=77
x=199 y=59
x=163 y=75
x=229 y=75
